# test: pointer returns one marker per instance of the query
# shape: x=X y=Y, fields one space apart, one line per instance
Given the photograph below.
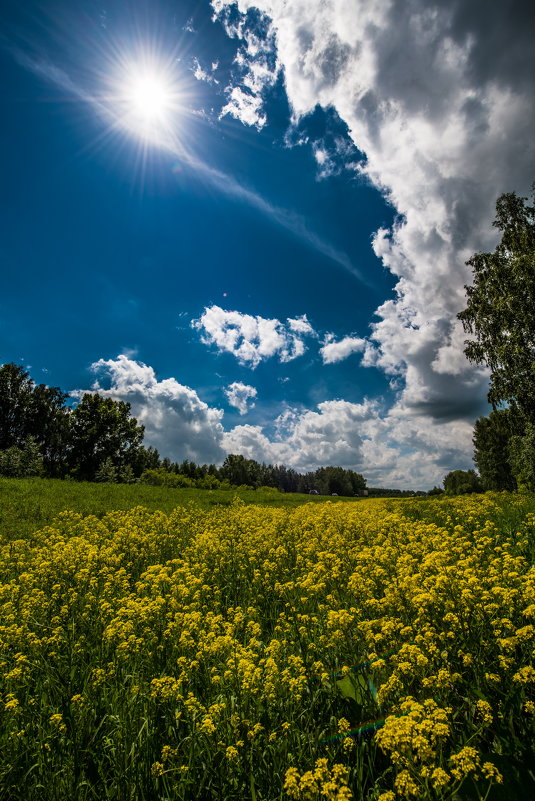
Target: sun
x=148 y=100
x=150 y=96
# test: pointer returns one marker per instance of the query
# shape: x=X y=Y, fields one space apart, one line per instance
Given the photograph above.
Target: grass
x=30 y=503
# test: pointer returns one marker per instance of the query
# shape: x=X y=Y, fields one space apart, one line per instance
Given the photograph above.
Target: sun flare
x=150 y=96
x=148 y=100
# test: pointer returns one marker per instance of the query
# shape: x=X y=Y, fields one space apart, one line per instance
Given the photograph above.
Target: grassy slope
x=31 y=503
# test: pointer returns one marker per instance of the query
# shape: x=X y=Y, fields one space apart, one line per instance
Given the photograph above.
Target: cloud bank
x=438 y=96
x=387 y=450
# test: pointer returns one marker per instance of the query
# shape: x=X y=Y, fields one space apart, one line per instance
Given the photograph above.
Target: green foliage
x=16 y=388
x=462 y=482
x=20 y=462
x=491 y=443
x=126 y=475
x=164 y=478
x=27 y=410
x=522 y=458
x=107 y=472
x=329 y=480
x=500 y=312
x=100 y=429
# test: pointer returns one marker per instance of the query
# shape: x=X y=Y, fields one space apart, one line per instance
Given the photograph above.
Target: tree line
x=500 y=318
x=238 y=471
x=98 y=440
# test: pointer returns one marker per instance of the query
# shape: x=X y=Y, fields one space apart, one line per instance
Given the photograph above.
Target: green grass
x=27 y=504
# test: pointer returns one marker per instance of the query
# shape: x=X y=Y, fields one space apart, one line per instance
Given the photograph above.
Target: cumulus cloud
x=177 y=422
x=389 y=450
x=241 y=396
x=332 y=351
x=438 y=96
x=252 y=339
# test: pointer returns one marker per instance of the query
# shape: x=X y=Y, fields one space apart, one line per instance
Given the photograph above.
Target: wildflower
x=291 y=783
x=485 y=711
x=525 y=675
x=491 y=772
x=168 y=753
x=405 y=784
x=439 y=778
x=57 y=721
x=465 y=761
x=12 y=704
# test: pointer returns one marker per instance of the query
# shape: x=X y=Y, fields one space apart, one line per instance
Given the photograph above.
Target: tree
x=500 y=313
x=100 y=429
x=18 y=462
x=27 y=410
x=462 y=482
x=522 y=458
x=48 y=423
x=491 y=440
x=107 y=472
x=16 y=388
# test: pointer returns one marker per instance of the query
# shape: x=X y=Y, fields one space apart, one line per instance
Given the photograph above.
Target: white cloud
x=438 y=96
x=257 y=66
x=332 y=351
x=393 y=450
x=206 y=74
x=252 y=339
x=389 y=450
x=177 y=422
x=245 y=107
x=241 y=396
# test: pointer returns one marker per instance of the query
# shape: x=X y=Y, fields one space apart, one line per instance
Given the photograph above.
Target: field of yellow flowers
x=376 y=650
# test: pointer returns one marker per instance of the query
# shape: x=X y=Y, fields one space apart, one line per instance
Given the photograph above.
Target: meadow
x=30 y=503
x=377 y=650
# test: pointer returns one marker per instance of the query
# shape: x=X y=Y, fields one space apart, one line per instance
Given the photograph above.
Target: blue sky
x=272 y=262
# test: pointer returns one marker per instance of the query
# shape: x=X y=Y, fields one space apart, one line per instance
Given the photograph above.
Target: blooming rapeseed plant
x=200 y=654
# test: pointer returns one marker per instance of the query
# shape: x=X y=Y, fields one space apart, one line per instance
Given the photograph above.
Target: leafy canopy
x=500 y=313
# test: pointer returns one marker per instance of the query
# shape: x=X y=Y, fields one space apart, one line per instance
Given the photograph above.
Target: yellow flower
x=485 y=711
x=525 y=675
x=439 y=778
x=491 y=772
